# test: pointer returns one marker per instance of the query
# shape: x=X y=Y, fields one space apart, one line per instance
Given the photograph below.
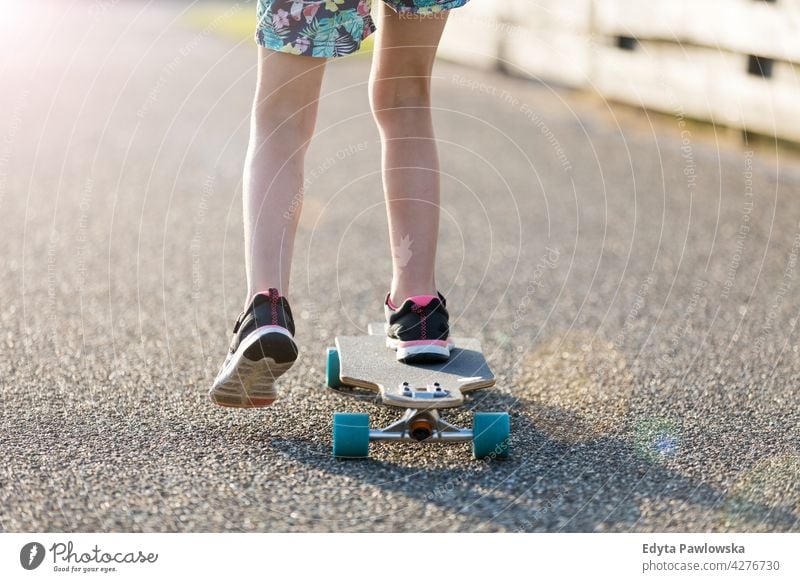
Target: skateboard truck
x=421 y=425
x=489 y=433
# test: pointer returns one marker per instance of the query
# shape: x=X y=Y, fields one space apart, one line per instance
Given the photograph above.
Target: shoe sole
x=248 y=381
x=420 y=352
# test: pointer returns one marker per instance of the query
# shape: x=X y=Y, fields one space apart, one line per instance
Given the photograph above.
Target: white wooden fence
x=732 y=62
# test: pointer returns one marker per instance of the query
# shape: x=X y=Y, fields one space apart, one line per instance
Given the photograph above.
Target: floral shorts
x=328 y=28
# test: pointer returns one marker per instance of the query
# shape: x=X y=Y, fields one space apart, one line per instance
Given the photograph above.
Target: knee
x=395 y=100
x=278 y=116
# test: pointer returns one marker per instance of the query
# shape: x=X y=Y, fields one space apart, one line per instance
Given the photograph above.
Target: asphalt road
x=633 y=280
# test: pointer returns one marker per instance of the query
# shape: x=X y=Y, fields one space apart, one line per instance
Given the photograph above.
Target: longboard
x=366 y=362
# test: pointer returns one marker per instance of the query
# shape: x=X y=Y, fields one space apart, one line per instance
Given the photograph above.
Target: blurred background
x=729 y=62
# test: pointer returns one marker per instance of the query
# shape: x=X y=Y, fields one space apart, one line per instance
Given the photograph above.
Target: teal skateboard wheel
x=350 y=435
x=490 y=435
x=332 y=369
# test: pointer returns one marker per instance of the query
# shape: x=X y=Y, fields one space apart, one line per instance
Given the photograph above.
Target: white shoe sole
x=420 y=352
x=246 y=383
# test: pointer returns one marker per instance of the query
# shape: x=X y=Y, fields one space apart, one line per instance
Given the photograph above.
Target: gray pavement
x=635 y=287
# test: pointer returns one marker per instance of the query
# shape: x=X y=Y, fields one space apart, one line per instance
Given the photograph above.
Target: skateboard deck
x=366 y=362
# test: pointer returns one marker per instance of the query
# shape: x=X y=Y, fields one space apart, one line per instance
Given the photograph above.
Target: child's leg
x=405 y=48
x=283 y=117
x=282 y=123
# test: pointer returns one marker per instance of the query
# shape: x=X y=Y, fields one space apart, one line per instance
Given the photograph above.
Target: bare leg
x=283 y=119
x=405 y=48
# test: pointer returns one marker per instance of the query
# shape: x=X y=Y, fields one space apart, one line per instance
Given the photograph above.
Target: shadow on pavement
x=603 y=483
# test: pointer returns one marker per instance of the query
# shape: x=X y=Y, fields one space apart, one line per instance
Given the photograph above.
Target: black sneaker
x=419 y=329
x=262 y=349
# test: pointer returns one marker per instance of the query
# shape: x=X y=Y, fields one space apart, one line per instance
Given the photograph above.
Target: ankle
x=399 y=296
x=251 y=294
